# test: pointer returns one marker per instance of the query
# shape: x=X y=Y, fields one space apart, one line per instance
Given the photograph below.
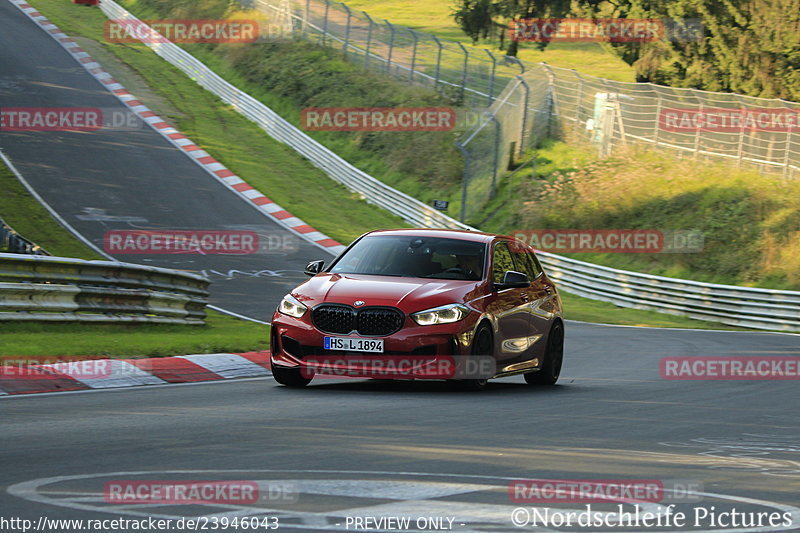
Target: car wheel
x=482 y=344
x=291 y=377
x=553 y=359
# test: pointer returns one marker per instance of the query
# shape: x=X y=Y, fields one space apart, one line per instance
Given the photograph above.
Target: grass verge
x=221 y=333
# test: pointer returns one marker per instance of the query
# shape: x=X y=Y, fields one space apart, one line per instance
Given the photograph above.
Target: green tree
x=485 y=19
x=746 y=46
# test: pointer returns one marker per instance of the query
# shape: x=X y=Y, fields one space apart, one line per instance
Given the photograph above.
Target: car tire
x=482 y=344
x=290 y=377
x=550 y=370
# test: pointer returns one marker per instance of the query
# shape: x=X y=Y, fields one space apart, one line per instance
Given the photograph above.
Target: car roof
x=474 y=236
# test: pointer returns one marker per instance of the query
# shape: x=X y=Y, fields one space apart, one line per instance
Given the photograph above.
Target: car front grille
x=343 y=319
x=379 y=321
x=334 y=318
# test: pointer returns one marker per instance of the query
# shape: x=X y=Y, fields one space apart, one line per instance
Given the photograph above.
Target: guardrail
x=41 y=288
x=738 y=306
x=747 y=307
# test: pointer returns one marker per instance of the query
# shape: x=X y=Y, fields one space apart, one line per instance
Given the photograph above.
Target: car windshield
x=417 y=257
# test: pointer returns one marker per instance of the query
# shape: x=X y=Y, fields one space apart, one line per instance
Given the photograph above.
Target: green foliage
x=309 y=76
x=749 y=46
x=746 y=46
x=482 y=19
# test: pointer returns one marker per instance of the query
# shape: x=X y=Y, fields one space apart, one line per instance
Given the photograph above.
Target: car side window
x=537 y=267
x=501 y=262
x=526 y=263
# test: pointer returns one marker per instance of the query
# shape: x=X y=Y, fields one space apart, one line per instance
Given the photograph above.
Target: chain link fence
x=472 y=76
x=519 y=104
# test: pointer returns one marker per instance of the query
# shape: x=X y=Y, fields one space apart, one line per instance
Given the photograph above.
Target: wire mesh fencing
x=519 y=104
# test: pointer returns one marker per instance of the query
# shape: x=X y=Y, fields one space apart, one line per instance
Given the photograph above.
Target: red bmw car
x=422 y=304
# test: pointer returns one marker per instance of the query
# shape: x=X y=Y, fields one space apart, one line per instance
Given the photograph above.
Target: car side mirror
x=314 y=268
x=513 y=280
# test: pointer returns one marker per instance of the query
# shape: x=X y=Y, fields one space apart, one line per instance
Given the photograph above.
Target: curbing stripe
x=213 y=167
x=105 y=374
x=33 y=379
x=85 y=374
x=228 y=365
x=175 y=370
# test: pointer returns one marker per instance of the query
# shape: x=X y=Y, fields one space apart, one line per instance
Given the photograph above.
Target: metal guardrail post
x=464 y=180
x=464 y=70
x=391 y=46
x=526 y=104
x=413 y=54
x=438 y=61
x=578 y=99
x=740 y=145
x=551 y=98
x=369 y=40
x=657 y=121
x=697 y=130
x=325 y=22
x=306 y=15
x=495 y=169
x=787 y=151
x=490 y=96
x=346 y=31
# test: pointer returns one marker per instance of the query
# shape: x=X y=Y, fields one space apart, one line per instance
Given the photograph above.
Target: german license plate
x=350 y=344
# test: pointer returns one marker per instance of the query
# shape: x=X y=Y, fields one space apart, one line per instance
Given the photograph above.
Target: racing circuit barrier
x=747 y=307
x=42 y=288
x=738 y=306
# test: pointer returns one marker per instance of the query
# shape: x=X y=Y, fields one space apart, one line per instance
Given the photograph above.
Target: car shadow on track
x=430 y=387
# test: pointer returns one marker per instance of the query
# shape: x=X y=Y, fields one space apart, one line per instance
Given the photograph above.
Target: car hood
x=408 y=294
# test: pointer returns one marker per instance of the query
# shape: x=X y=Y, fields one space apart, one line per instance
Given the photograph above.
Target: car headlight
x=445 y=314
x=291 y=306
